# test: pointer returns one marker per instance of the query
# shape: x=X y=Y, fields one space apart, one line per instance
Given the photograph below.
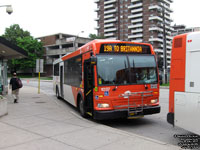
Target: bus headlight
x=103 y=105
x=154 y=101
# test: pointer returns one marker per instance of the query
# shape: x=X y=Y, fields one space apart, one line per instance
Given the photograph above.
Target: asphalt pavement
x=40 y=122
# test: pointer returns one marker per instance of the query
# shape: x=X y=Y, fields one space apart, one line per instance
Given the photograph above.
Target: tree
x=14 y=32
x=24 y=40
x=34 y=50
x=94 y=36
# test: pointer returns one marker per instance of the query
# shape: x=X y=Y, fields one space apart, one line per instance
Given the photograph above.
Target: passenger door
x=88 y=84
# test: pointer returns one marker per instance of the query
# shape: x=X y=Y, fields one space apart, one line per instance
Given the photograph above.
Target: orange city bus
x=109 y=79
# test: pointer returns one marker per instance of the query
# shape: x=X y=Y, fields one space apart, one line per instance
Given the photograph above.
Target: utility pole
x=164 y=47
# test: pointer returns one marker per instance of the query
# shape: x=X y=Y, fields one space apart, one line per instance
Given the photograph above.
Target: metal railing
x=133 y=108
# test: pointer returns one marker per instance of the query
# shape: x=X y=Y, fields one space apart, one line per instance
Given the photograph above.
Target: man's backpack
x=19 y=83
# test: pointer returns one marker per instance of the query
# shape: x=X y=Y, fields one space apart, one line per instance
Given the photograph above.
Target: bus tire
x=82 y=109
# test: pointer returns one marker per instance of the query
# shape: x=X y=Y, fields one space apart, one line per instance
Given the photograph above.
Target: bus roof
x=57 y=61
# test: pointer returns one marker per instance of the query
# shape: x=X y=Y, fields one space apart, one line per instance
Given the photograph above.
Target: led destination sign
x=125 y=48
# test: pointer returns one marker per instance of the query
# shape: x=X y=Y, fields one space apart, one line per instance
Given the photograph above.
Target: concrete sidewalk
x=39 y=122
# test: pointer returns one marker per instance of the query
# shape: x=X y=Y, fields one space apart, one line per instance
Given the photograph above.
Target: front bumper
x=123 y=113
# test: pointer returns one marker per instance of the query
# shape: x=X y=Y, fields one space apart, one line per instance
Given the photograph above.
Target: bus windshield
x=126 y=69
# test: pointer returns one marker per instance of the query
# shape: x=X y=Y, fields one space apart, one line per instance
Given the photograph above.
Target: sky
x=46 y=17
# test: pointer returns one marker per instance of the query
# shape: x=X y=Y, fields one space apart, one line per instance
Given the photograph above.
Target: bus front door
x=61 y=82
x=88 y=85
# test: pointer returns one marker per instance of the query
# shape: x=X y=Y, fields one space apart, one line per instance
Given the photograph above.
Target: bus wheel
x=82 y=108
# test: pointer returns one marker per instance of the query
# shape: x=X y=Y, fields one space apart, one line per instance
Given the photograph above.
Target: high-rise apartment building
x=136 y=20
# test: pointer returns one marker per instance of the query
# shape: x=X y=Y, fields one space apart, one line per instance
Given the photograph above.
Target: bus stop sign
x=39 y=65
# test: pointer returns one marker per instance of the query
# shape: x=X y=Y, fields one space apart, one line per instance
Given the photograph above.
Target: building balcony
x=137 y=40
x=135 y=1
x=136 y=20
x=96 y=1
x=157 y=50
x=137 y=10
x=155 y=18
x=109 y=34
x=110 y=11
x=168 y=42
x=137 y=31
x=109 y=6
x=155 y=39
x=108 y=16
x=110 y=30
x=169 y=47
x=167 y=7
x=155 y=29
x=97 y=28
x=59 y=51
x=110 y=1
x=135 y=5
x=110 y=20
x=135 y=26
x=152 y=7
x=169 y=28
x=135 y=36
x=109 y=25
x=135 y=15
x=168 y=57
x=160 y=35
x=168 y=22
x=97 y=19
x=97 y=9
x=168 y=18
x=167 y=1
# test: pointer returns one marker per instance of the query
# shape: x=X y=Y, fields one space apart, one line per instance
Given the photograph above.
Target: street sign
x=39 y=65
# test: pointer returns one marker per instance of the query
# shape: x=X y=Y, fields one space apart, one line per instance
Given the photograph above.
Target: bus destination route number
x=122 y=49
x=125 y=48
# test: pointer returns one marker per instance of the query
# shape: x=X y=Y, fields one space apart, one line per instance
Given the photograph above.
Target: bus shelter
x=8 y=51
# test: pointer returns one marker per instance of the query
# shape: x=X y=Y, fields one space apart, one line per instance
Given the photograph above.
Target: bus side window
x=56 y=70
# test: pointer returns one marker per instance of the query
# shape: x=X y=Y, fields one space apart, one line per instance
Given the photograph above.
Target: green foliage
x=23 y=39
x=14 y=32
x=94 y=36
x=34 y=50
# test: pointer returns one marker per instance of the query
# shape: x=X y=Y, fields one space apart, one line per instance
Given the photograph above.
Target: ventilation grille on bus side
x=178 y=42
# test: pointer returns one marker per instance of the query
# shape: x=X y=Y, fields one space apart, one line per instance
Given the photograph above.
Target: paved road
x=152 y=126
x=45 y=86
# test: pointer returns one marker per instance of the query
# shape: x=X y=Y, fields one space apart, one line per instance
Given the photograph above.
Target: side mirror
x=93 y=60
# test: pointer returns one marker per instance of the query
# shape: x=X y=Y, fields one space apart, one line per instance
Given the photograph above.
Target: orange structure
x=109 y=79
x=184 y=97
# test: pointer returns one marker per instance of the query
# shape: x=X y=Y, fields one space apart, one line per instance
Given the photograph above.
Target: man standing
x=15 y=87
